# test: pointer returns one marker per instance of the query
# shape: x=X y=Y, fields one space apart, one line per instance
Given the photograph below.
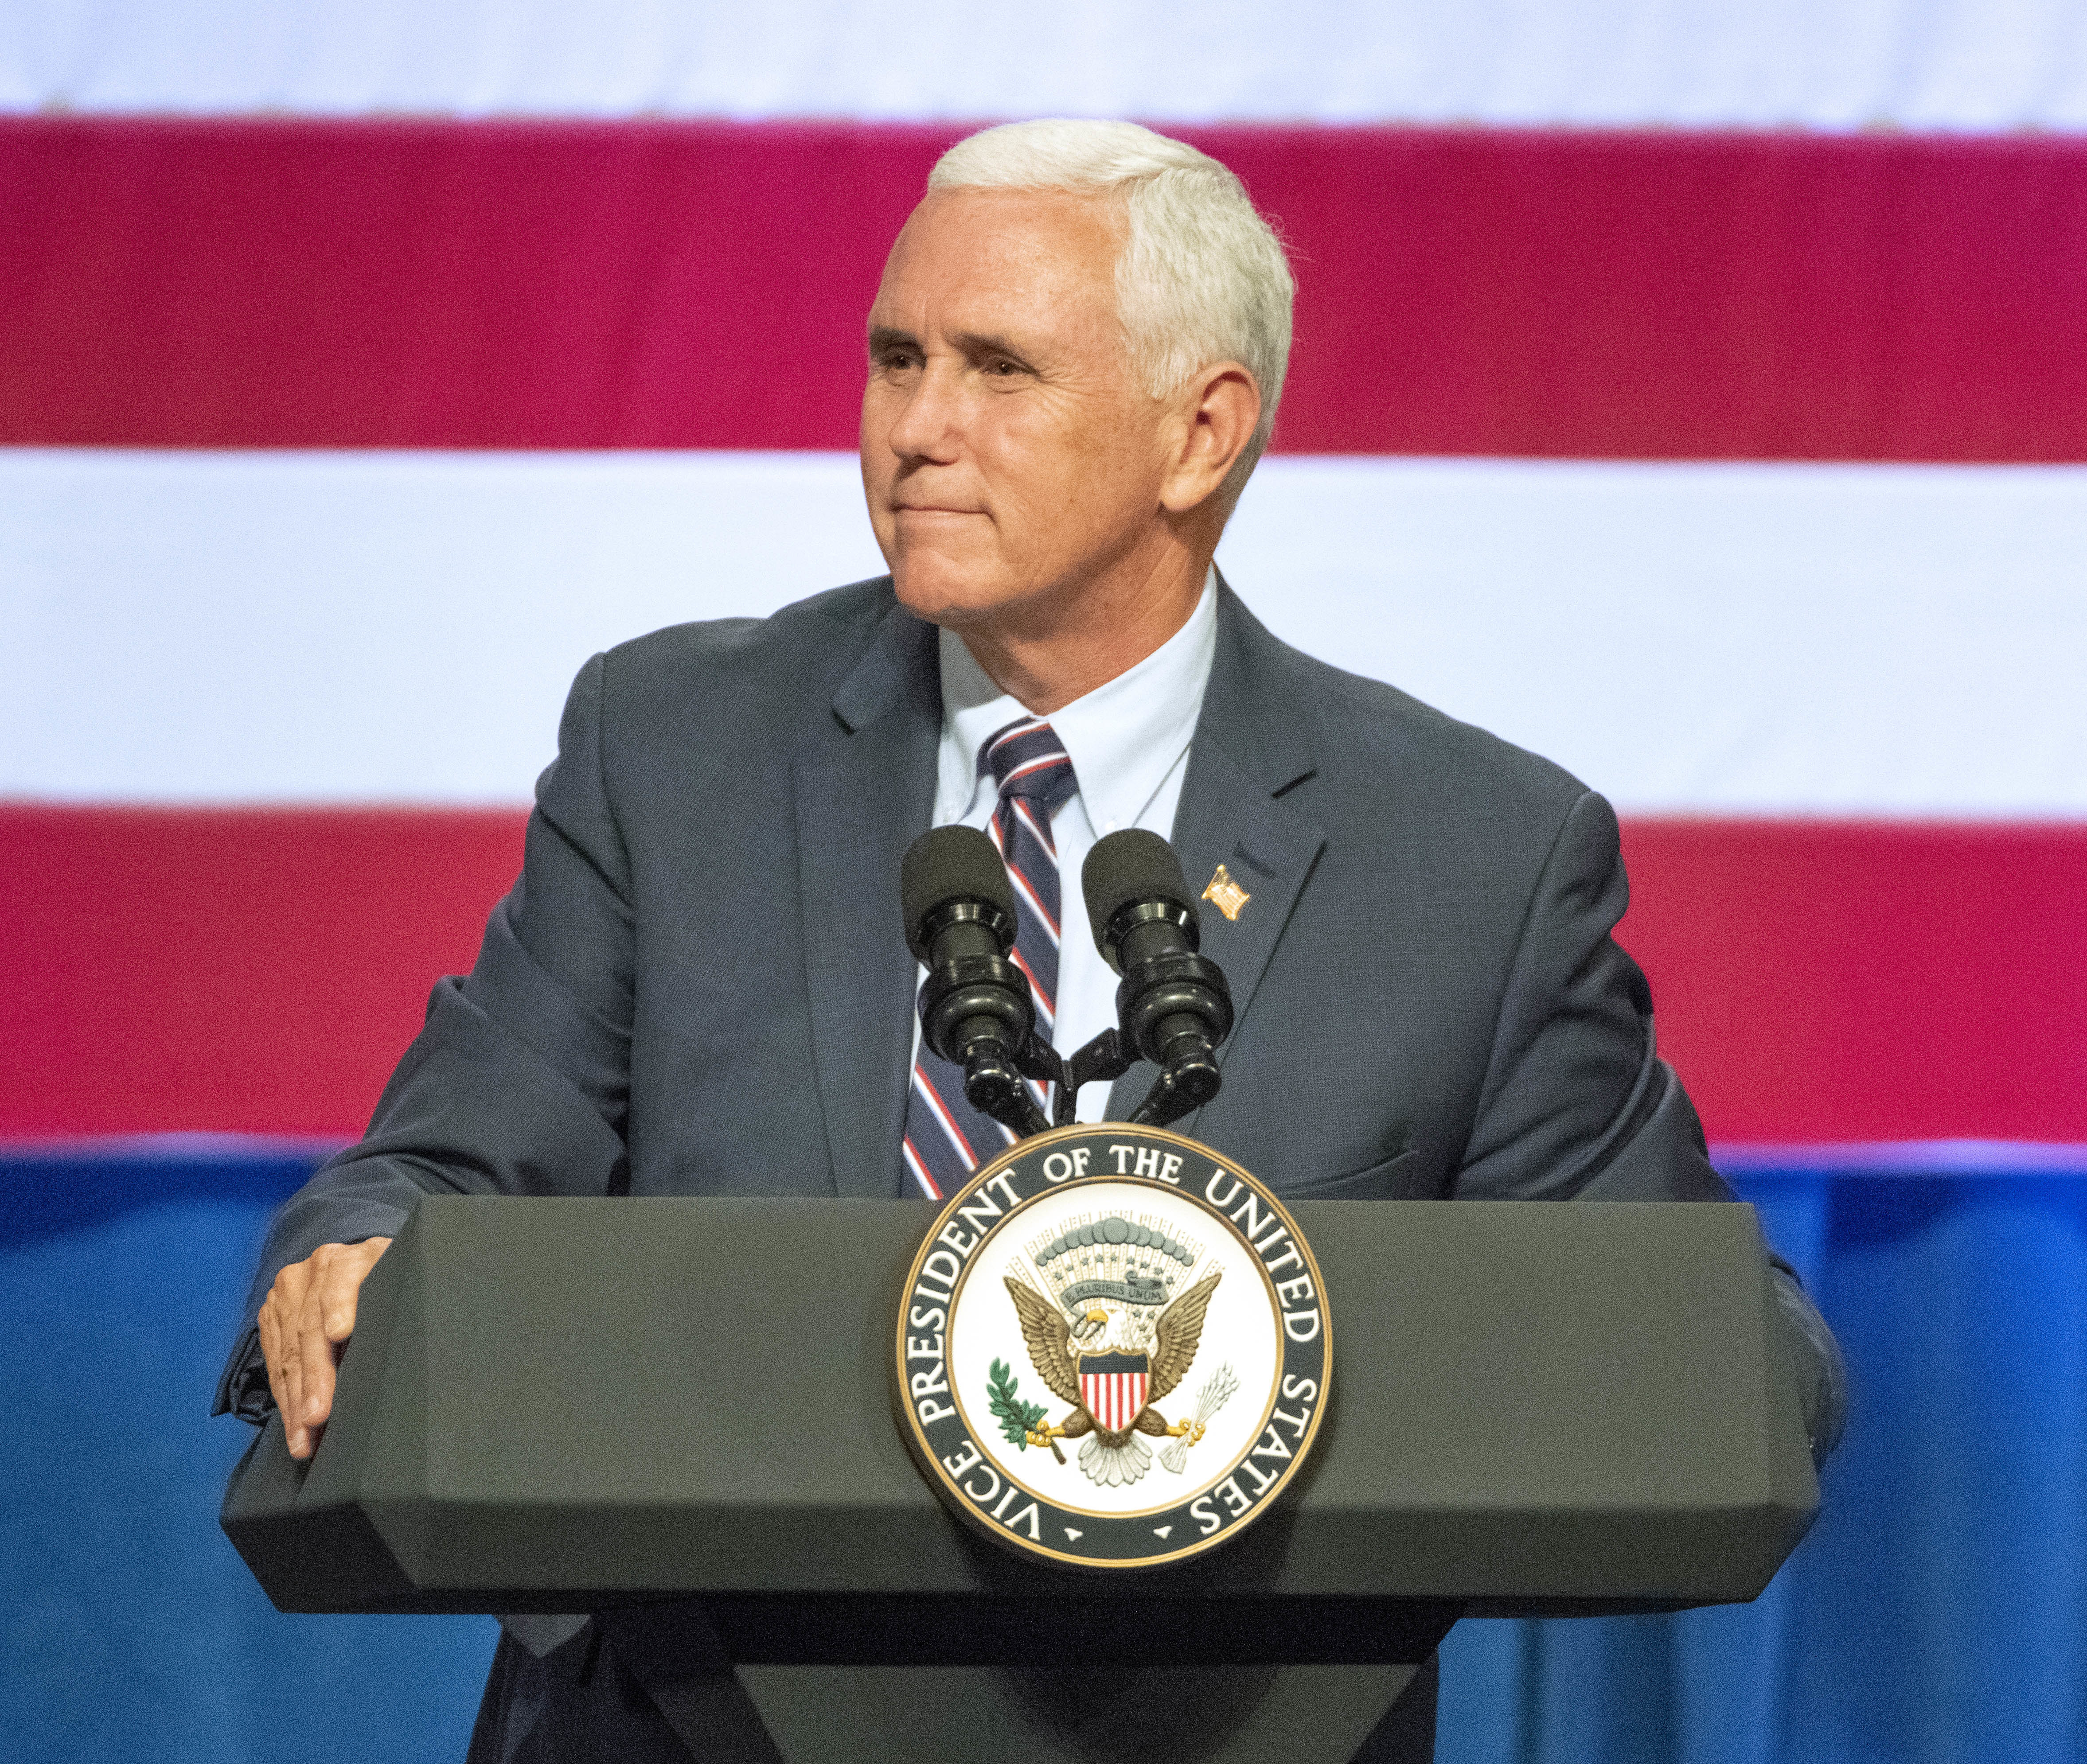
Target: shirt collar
x=1123 y=738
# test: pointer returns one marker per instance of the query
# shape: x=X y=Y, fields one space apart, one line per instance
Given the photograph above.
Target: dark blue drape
x=1937 y=1613
x=132 y=1631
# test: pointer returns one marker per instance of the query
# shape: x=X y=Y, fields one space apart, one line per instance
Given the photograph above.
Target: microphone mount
x=1174 y=1007
x=977 y=1011
x=1175 y=1004
x=976 y=1008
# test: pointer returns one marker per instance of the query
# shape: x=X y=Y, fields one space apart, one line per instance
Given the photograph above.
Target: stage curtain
x=1937 y=1613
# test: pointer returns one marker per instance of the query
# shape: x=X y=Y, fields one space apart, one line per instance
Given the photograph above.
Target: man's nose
x=929 y=425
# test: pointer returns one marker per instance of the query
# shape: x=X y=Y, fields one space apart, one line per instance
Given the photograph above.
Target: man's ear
x=1219 y=409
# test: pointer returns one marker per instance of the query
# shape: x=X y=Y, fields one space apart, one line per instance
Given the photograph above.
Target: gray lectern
x=678 y=1413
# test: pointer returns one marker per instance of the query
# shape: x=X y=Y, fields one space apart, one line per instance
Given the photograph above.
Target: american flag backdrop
x=1694 y=391
x=1707 y=413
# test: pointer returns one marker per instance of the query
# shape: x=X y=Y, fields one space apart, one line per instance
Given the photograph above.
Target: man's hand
x=308 y=1315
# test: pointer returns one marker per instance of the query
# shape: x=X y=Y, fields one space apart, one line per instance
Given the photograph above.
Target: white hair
x=1202 y=277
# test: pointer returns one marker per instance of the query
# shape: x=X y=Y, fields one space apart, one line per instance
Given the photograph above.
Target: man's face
x=1011 y=460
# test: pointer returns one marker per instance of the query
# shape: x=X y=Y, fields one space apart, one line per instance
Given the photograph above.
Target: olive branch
x=1017 y=1418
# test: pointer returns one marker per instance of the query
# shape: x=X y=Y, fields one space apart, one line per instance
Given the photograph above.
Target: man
x=699 y=985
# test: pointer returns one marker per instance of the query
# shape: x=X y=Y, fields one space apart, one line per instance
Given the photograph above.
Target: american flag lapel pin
x=1225 y=894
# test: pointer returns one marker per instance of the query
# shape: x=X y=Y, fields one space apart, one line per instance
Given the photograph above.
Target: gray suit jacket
x=699 y=986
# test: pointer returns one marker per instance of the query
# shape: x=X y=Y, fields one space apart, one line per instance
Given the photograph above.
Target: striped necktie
x=946 y=1138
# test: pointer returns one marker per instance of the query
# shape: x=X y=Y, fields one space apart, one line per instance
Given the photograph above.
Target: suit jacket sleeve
x=518 y=1082
x=1577 y=1104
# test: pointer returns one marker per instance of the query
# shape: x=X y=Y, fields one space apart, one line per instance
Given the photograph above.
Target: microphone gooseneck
x=1174 y=1007
x=977 y=1009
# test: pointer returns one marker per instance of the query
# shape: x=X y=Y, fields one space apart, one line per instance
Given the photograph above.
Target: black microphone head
x=1132 y=868
x=945 y=865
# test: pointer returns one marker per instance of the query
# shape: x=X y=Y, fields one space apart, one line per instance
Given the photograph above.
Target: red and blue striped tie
x=946 y=1138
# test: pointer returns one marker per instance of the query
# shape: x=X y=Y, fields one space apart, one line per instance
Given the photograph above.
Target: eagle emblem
x=1112 y=1375
x=1174 y=1346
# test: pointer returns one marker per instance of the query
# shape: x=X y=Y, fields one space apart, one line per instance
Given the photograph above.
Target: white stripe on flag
x=1949 y=64
x=1707 y=638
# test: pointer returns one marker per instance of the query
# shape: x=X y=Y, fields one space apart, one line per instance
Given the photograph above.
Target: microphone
x=1174 y=1007
x=976 y=1011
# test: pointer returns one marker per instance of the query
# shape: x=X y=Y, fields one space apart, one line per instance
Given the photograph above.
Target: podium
x=679 y=1412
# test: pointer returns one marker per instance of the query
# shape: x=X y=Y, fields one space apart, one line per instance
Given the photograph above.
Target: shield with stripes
x=1113 y=1386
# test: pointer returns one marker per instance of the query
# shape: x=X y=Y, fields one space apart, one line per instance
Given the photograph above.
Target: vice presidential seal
x=1113 y=1348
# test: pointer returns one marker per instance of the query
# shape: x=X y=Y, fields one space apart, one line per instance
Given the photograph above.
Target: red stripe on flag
x=181 y=283
x=244 y=970
x=261 y=969
x=1848 y=980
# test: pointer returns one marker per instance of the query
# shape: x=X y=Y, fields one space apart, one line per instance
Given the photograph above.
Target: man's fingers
x=340 y=1285
x=313 y=1355
x=271 y=1351
x=337 y=1298
x=278 y=1323
x=310 y=1310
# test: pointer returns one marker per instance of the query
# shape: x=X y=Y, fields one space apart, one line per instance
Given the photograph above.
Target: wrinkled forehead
x=967 y=256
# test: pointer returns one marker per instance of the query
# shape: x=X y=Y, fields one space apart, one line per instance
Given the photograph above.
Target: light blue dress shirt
x=1128 y=742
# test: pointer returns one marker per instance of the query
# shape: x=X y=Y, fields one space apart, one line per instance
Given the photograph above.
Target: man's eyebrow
x=975 y=344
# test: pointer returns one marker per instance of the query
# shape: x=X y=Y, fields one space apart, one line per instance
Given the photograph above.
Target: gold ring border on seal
x=944 y=1484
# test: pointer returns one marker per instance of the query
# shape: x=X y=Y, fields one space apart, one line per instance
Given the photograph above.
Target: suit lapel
x=1252 y=742
x=865 y=788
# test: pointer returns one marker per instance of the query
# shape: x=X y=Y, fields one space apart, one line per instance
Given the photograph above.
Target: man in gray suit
x=699 y=985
